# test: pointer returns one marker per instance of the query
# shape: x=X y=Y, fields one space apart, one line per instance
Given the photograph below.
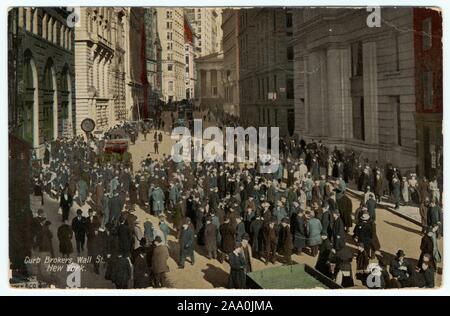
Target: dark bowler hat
x=400 y=253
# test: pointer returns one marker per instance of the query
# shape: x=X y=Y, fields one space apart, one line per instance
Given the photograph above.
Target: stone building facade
x=100 y=62
x=190 y=74
x=266 y=79
x=230 y=45
x=171 y=34
x=135 y=63
x=153 y=51
x=41 y=75
x=429 y=105
x=210 y=92
x=355 y=85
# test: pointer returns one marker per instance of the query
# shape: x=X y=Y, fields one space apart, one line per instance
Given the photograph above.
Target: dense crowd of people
x=234 y=211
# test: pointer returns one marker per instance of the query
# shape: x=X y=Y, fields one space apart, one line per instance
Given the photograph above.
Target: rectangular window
x=290 y=88
x=358 y=118
x=398 y=119
x=290 y=53
x=274 y=20
x=357 y=59
x=169 y=67
x=170 y=86
x=426 y=34
x=288 y=19
x=396 y=53
x=259 y=88
x=427 y=85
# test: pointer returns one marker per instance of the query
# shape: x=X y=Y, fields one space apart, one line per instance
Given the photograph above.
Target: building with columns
x=41 y=74
x=230 y=45
x=210 y=93
x=171 y=34
x=355 y=85
x=266 y=78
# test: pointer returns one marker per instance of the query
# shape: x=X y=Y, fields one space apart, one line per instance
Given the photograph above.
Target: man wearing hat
x=363 y=232
x=256 y=235
x=79 y=227
x=270 y=238
x=327 y=220
x=210 y=238
x=247 y=251
x=228 y=234
x=400 y=269
x=314 y=229
x=371 y=205
x=285 y=245
x=323 y=263
x=338 y=234
x=240 y=228
x=186 y=242
x=237 y=278
x=159 y=262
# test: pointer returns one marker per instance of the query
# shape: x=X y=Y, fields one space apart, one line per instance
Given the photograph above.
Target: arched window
x=50 y=29
x=55 y=32
x=25 y=111
x=36 y=21
x=28 y=19
x=48 y=101
x=44 y=27
x=62 y=34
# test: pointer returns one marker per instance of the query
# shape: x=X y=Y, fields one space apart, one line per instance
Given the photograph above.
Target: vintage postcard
x=225 y=147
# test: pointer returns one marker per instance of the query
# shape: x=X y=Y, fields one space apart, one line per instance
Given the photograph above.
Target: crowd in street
x=234 y=212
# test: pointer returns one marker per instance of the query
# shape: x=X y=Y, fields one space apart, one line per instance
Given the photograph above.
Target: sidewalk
x=410 y=213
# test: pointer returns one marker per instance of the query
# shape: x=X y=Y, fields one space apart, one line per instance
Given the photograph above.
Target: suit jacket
x=159 y=259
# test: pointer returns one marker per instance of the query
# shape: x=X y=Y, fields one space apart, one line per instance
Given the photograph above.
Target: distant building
x=230 y=45
x=135 y=74
x=41 y=74
x=206 y=23
x=209 y=94
x=153 y=54
x=171 y=34
x=190 y=74
x=266 y=78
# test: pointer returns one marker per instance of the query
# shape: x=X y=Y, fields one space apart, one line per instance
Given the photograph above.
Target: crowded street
x=393 y=233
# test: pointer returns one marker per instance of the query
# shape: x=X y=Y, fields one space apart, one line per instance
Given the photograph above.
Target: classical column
x=338 y=91
x=208 y=91
x=370 y=86
x=316 y=102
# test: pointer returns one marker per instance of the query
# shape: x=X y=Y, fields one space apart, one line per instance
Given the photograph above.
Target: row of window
x=266 y=93
x=46 y=26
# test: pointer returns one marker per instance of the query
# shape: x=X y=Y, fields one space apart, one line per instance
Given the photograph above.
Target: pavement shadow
x=216 y=276
x=405 y=228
